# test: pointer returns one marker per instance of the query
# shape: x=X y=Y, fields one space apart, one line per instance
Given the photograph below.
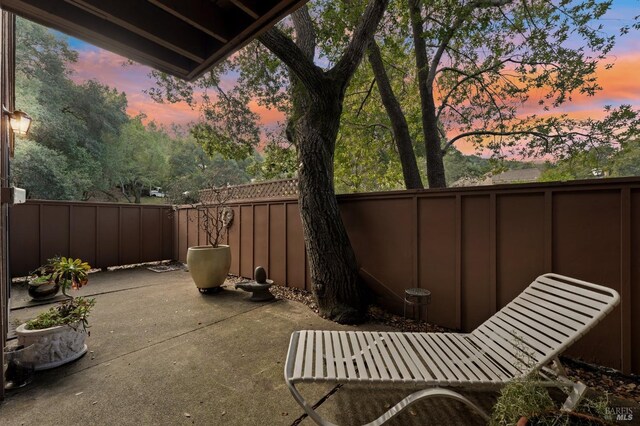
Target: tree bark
x=317 y=102
x=434 y=153
x=337 y=286
x=399 y=126
x=137 y=190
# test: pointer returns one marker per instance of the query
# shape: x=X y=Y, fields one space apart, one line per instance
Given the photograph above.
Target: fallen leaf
x=187 y=415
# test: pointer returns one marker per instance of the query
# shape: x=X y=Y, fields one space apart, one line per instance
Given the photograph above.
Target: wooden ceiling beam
x=154 y=24
x=201 y=14
x=274 y=9
x=248 y=7
x=183 y=38
x=79 y=23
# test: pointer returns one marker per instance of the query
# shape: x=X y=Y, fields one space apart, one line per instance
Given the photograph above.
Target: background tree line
x=83 y=145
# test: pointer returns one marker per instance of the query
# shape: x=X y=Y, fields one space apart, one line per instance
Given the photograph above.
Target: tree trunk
x=435 y=164
x=337 y=286
x=410 y=172
x=317 y=105
x=137 y=190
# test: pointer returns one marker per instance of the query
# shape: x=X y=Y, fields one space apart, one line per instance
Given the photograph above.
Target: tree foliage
x=71 y=119
x=44 y=172
x=82 y=141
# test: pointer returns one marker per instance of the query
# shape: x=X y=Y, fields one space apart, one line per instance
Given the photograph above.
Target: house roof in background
x=517 y=175
x=510 y=176
x=183 y=38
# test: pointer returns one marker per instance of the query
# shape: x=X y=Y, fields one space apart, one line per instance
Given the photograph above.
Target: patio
x=181 y=357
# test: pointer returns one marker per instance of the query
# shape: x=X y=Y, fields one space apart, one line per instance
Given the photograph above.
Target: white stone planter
x=54 y=346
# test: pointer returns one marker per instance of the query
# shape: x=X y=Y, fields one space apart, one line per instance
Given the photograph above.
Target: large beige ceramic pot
x=209 y=266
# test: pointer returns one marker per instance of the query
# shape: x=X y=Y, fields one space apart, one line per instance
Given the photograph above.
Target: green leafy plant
x=43 y=274
x=67 y=313
x=64 y=271
x=44 y=279
x=68 y=273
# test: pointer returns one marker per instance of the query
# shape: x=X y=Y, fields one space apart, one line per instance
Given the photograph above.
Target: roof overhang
x=183 y=38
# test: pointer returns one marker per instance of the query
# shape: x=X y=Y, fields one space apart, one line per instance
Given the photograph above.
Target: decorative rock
x=260 y=275
x=259 y=291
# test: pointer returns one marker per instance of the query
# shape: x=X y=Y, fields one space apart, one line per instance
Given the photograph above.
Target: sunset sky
x=621 y=83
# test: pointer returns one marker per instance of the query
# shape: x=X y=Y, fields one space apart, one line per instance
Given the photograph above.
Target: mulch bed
x=598 y=378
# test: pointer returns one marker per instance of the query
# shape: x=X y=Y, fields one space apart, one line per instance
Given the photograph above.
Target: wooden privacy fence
x=474 y=248
x=103 y=234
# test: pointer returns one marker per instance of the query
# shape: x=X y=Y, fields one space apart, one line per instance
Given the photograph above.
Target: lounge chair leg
x=307 y=407
x=575 y=396
x=422 y=394
x=396 y=409
x=576 y=389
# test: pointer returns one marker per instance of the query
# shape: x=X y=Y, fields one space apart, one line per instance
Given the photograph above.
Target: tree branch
x=293 y=57
x=402 y=136
x=466 y=78
x=364 y=101
x=305 y=33
x=546 y=137
x=462 y=17
x=362 y=36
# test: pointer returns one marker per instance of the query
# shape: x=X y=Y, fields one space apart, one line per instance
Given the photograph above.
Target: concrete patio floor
x=162 y=353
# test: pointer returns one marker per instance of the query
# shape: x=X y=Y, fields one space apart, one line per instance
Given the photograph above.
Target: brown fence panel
x=438 y=246
x=520 y=243
x=246 y=241
x=108 y=235
x=475 y=249
x=586 y=245
x=103 y=234
x=374 y=229
x=478 y=293
x=296 y=263
x=277 y=232
x=261 y=236
x=24 y=237
x=82 y=235
x=54 y=230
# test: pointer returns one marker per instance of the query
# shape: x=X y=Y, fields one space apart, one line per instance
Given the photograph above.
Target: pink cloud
x=133 y=79
x=114 y=71
x=268 y=116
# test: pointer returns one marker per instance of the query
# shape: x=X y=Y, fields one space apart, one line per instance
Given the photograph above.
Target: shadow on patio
x=161 y=353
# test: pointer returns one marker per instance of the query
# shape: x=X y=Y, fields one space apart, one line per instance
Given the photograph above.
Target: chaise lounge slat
x=538 y=320
x=566 y=316
x=587 y=293
x=588 y=303
x=523 y=338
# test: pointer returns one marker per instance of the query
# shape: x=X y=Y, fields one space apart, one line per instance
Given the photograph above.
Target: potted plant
x=41 y=284
x=58 y=334
x=209 y=264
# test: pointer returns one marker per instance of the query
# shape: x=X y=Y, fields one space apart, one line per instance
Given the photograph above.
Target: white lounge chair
x=524 y=337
